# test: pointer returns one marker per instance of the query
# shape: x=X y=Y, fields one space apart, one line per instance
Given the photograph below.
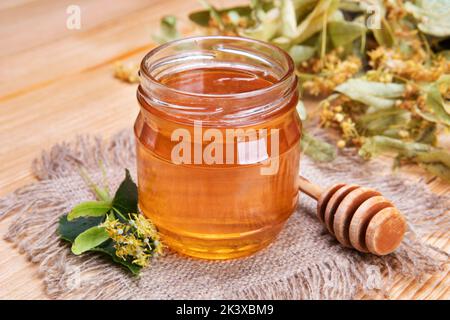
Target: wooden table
x=56 y=83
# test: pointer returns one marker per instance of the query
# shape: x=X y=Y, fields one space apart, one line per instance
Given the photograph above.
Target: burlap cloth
x=303 y=263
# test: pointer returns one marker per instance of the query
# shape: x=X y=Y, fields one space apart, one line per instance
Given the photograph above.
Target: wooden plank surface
x=57 y=83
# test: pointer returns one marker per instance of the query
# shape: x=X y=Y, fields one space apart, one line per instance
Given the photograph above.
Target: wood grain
x=57 y=83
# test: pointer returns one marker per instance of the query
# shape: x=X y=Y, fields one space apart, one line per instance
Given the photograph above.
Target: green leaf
x=168 y=30
x=126 y=197
x=90 y=209
x=300 y=53
x=432 y=16
x=374 y=94
x=89 y=239
x=343 y=33
x=317 y=149
x=69 y=230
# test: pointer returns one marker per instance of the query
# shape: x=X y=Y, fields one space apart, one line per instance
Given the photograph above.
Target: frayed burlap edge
x=35 y=211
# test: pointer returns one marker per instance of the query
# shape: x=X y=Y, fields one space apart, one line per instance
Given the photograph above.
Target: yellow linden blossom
x=137 y=240
x=349 y=131
x=144 y=227
x=409 y=66
x=126 y=72
x=331 y=71
x=379 y=76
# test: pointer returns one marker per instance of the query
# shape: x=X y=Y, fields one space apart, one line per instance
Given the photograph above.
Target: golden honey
x=231 y=103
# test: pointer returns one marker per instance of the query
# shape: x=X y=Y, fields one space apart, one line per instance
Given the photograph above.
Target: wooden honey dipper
x=359 y=218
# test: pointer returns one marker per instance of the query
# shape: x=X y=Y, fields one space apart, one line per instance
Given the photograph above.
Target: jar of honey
x=218 y=144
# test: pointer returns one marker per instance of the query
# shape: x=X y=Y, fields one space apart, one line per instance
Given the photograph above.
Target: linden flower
x=331 y=71
x=126 y=72
x=410 y=66
x=349 y=130
x=137 y=241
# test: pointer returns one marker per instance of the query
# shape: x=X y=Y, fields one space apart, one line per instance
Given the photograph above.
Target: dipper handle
x=358 y=217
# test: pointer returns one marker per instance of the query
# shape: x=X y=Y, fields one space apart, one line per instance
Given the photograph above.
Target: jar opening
x=217 y=78
x=253 y=56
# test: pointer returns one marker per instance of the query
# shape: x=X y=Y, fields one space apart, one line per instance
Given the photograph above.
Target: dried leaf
x=432 y=16
x=380 y=121
x=374 y=94
x=436 y=160
x=317 y=149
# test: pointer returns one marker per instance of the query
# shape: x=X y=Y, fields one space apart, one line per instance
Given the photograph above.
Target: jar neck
x=213 y=109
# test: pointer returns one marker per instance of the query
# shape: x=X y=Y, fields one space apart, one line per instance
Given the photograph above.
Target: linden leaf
x=90 y=209
x=126 y=197
x=89 y=239
x=69 y=230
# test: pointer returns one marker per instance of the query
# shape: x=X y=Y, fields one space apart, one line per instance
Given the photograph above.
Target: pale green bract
x=313 y=23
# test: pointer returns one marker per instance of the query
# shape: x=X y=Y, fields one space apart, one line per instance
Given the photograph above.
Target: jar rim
x=285 y=78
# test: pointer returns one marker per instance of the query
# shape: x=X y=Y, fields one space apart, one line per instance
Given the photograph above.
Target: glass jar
x=218 y=144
